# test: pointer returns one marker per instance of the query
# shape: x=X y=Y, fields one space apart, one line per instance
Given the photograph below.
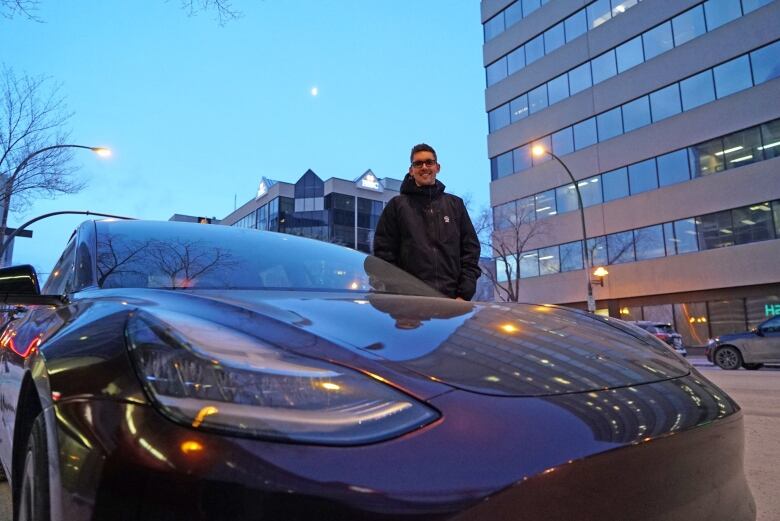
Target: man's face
x=424 y=168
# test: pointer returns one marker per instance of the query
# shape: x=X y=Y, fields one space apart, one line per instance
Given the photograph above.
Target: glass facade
x=743 y=225
x=334 y=217
x=730 y=77
x=699 y=321
x=674 y=32
x=734 y=150
x=551 y=39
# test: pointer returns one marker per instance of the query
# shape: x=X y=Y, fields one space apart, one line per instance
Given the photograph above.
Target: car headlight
x=212 y=377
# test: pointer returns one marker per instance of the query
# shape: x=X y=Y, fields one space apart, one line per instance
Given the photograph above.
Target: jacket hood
x=409 y=187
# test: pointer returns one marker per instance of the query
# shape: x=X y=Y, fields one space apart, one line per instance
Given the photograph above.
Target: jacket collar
x=409 y=187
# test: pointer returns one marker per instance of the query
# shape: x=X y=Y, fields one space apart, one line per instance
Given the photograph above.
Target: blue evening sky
x=196 y=113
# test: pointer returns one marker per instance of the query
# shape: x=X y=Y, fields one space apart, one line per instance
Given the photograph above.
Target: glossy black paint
x=563 y=415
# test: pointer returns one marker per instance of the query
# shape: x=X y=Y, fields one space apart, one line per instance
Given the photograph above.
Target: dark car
x=664 y=332
x=751 y=349
x=200 y=372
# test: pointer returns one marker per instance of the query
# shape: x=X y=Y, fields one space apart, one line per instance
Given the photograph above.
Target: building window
x=558 y=88
x=629 y=54
x=549 y=261
x=620 y=247
x=762 y=308
x=529 y=265
x=719 y=12
x=649 y=242
x=597 y=251
x=571 y=256
x=691 y=322
x=534 y=49
x=563 y=142
x=576 y=25
x=518 y=108
x=610 y=124
x=753 y=223
x=688 y=25
x=504 y=216
x=636 y=114
x=590 y=189
x=642 y=176
x=686 y=236
x=697 y=90
x=598 y=13
x=665 y=103
x=604 y=67
x=585 y=134
x=732 y=76
x=545 y=204
x=766 y=63
x=579 y=78
x=673 y=168
x=658 y=40
x=554 y=38
x=566 y=198
x=515 y=60
x=726 y=316
x=615 y=184
x=715 y=230
x=707 y=158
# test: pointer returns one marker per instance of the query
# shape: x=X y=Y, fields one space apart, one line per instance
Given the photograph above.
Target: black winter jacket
x=429 y=234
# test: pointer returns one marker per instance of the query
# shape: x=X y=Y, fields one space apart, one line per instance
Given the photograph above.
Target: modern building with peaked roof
x=667 y=115
x=336 y=210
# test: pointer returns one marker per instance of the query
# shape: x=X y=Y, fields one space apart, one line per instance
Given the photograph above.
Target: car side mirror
x=758 y=331
x=19 y=286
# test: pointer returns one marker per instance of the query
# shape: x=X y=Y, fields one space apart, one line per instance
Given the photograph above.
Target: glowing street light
x=100 y=151
x=539 y=151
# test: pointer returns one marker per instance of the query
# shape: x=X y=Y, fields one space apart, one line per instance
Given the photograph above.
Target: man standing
x=428 y=233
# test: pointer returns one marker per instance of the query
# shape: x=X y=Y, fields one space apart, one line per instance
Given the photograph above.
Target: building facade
x=667 y=113
x=336 y=210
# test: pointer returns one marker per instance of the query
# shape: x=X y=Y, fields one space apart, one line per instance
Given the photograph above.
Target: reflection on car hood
x=500 y=349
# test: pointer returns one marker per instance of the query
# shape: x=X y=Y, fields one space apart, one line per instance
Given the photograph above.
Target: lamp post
x=539 y=151
x=8 y=192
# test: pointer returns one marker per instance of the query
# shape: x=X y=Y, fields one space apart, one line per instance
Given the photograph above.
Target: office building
x=667 y=114
x=337 y=210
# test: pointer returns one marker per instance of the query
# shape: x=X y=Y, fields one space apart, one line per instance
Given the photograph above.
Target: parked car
x=751 y=349
x=665 y=332
x=183 y=371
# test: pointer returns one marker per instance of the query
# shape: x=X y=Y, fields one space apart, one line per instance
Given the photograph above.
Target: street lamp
x=101 y=151
x=539 y=151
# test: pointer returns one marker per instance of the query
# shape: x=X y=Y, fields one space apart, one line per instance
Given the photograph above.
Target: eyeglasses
x=427 y=162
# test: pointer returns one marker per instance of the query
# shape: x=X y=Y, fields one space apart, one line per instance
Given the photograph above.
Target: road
x=757 y=392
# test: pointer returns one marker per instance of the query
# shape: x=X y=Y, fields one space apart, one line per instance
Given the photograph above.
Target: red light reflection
x=7 y=340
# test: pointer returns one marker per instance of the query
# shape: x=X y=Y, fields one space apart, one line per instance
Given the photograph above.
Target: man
x=428 y=233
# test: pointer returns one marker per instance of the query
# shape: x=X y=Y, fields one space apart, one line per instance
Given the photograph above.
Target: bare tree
x=224 y=9
x=32 y=119
x=506 y=236
x=25 y=8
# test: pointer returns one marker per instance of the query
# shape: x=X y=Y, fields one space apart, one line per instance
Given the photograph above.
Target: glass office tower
x=667 y=115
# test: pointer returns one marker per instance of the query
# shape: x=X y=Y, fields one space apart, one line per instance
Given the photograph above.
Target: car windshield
x=172 y=255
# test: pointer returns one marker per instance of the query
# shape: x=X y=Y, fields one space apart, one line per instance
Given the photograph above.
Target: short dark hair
x=422 y=147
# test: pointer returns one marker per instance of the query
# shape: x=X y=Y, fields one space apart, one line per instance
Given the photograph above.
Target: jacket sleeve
x=469 y=257
x=387 y=238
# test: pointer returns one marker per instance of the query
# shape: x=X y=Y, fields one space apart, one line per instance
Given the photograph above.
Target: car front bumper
x=670 y=450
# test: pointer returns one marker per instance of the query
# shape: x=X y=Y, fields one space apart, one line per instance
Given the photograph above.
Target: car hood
x=735 y=336
x=499 y=349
